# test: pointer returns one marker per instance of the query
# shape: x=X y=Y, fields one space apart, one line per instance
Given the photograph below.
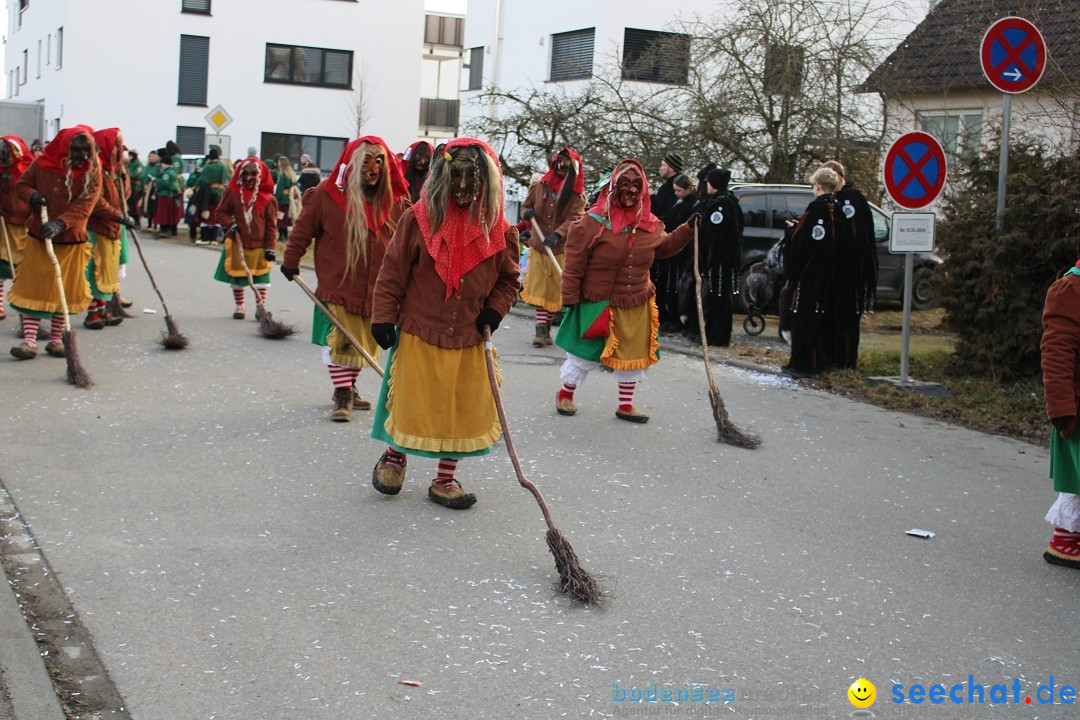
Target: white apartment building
x=291 y=76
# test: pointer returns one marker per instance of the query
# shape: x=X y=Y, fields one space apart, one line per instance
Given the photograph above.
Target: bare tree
x=358 y=102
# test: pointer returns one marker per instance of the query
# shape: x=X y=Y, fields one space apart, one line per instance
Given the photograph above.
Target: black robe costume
x=720 y=238
x=810 y=264
x=856 y=274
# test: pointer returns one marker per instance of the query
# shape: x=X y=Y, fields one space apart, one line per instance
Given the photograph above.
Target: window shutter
x=572 y=55
x=191 y=139
x=338 y=68
x=194 y=67
x=476 y=68
x=195 y=6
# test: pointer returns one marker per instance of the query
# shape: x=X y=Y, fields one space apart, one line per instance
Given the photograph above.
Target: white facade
x=117 y=63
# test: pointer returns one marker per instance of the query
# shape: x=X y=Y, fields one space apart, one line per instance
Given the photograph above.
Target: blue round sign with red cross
x=1013 y=55
x=914 y=170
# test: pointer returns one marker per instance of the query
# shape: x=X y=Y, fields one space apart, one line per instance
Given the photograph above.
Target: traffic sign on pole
x=914 y=170
x=1013 y=55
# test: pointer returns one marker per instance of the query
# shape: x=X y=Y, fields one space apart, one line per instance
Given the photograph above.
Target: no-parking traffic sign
x=1013 y=55
x=914 y=170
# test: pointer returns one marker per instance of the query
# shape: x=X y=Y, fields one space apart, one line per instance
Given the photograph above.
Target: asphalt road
x=220 y=539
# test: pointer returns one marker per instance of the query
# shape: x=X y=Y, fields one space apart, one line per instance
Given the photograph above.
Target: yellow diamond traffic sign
x=218 y=118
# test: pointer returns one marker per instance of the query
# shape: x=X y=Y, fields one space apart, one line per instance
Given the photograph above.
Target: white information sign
x=912 y=232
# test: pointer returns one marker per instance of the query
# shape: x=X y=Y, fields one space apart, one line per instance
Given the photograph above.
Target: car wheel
x=921 y=291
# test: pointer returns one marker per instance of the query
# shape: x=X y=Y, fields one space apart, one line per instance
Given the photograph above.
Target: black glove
x=51 y=229
x=231 y=229
x=290 y=272
x=38 y=201
x=1065 y=425
x=552 y=240
x=694 y=220
x=488 y=317
x=385 y=334
x=525 y=235
x=529 y=214
x=270 y=255
x=127 y=221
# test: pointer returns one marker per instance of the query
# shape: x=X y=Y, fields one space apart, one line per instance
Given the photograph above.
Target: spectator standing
x=133 y=168
x=149 y=198
x=720 y=250
x=287 y=194
x=666 y=273
x=310 y=176
x=664 y=197
x=167 y=211
x=214 y=176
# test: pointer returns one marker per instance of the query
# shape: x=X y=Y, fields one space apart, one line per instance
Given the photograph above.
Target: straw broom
x=540 y=234
x=76 y=373
x=172 y=338
x=338 y=324
x=574 y=580
x=268 y=326
x=726 y=431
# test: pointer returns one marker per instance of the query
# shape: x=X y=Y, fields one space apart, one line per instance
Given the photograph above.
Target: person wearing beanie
x=664 y=197
x=611 y=317
x=720 y=249
x=555 y=202
x=167 y=209
x=809 y=269
x=856 y=269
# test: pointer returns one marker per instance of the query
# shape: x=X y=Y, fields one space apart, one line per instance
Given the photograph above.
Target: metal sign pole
x=909 y=271
x=1006 y=121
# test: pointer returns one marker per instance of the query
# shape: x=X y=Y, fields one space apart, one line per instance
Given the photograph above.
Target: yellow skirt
x=16 y=240
x=633 y=343
x=438 y=401
x=342 y=351
x=255 y=258
x=543 y=283
x=105 y=258
x=35 y=287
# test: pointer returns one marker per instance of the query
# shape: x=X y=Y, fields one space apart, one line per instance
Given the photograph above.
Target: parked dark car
x=766 y=208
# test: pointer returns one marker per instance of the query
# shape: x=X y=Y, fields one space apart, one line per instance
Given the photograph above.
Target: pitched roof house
x=934 y=81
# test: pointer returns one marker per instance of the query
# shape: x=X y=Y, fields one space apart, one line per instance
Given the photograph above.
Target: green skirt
x=575 y=322
x=5 y=271
x=221 y=276
x=1065 y=462
x=320 y=327
x=124 y=255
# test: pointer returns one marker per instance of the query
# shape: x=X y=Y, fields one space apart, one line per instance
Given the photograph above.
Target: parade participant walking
x=856 y=270
x=555 y=203
x=450 y=271
x=809 y=267
x=105 y=229
x=287 y=195
x=720 y=251
x=65 y=179
x=167 y=212
x=15 y=158
x=612 y=317
x=417 y=161
x=215 y=173
x=248 y=211
x=350 y=217
x=1061 y=385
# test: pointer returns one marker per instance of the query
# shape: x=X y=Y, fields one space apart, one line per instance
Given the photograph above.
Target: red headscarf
x=339 y=176
x=460 y=244
x=555 y=182
x=53 y=156
x=106 y=142
x=412 y=149
x=262 y=193
x=640 y=216
x=21 y=157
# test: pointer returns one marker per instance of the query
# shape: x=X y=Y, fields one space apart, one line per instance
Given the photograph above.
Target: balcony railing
x=442 y=30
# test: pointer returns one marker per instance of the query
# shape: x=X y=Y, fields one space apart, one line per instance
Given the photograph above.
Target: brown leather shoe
x=564 y=406
x=632 y=415
x=239 y=312
x=22 y=351
x=358 y=402
x=450 y=494
x=342 y=411
x=538 y=339
x=56 y=349
x=388 y=477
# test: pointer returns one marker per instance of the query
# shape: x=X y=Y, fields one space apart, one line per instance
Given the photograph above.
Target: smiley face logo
x=862 y=693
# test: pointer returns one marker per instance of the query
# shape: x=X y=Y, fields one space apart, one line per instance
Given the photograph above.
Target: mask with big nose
x=628 y=189
x=372 y=168
x=79 y=151
x=249 y=177
x=562 y=165
x=464 y=179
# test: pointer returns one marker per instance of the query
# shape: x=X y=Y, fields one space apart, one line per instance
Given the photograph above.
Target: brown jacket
x=109 y=207
x=12 y=207
x=608 y=268
x=1061 y=347
x=74 y=211
x=323 y=221
x=543 y=202
x=410 y=293
x=263 y=230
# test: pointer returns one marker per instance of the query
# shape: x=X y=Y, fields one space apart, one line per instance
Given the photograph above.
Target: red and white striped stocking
x=238 y=296
x=626 y=396
x=447 y=470
x=343 y=377
x=30 y=327
x=543 y=317
x=55 y=335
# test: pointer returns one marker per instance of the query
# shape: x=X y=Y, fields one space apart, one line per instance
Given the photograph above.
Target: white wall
x=132 y=82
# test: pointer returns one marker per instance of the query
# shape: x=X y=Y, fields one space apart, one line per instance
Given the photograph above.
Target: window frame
x=478 y=75
x=563 y=75
x=967 y=141
x=268 y=140
x=181 y=99
x=348 y=85
x=59 y=48
x=195 y=11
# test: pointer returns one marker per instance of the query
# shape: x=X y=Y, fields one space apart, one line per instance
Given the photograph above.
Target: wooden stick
x=701 y=311
x=338 y=324
x=537 y=232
